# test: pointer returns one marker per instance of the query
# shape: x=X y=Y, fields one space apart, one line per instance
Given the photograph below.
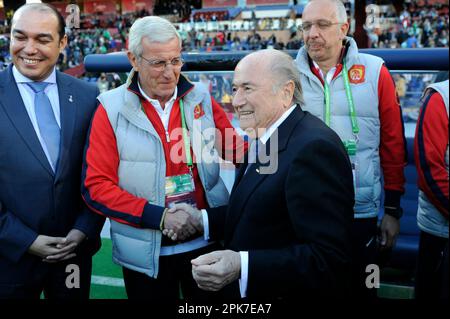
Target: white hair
x=280 y=68
x=284 y=69
x=155 y=29
x=341 y=12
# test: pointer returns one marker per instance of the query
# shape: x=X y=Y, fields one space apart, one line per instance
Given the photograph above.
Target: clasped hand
x=217 y=269
x=182 y=221
x=56 y=249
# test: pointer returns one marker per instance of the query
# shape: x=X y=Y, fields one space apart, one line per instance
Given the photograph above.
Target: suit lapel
x=245 y=185
x=241 y=193
x=67 y=105
x=240 y=173
x=15 y=109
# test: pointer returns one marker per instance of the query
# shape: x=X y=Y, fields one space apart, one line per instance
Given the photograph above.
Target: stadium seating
x=220 y=13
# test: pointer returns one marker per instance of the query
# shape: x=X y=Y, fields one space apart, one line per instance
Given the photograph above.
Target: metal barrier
x=433 y=59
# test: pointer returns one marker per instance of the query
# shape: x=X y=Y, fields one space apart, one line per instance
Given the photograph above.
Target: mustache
x=309 y=43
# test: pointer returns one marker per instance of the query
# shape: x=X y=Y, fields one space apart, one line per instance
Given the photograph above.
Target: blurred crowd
x=415 y=27
x=231 y=41
x=181 y=8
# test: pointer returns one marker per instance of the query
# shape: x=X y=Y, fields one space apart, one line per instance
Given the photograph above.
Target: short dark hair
x=45 y=7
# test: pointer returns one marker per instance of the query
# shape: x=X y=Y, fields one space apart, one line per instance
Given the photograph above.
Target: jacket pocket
x=135 y=248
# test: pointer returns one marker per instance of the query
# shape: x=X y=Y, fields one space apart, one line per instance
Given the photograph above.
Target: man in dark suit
x=47 y=234
x=287 y=224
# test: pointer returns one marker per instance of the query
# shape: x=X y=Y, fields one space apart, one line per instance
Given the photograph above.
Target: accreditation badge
x=180 y=189
x=351 y=146
x=354 y=172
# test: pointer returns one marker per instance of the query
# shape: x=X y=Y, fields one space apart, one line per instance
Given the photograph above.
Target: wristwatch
x=395 y=212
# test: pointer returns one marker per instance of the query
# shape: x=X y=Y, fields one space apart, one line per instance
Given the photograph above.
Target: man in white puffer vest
x=431 y=158
x=155 y=141
x=355 y=95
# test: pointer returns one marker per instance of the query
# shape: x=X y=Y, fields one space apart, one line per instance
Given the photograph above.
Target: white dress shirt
x=164 y=114
x=243 y=281
x=27 y=95
x=329 y=75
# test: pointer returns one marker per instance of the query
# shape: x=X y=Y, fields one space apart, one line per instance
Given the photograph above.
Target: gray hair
x=341 y=12
x=284 y=69
x=155 y=29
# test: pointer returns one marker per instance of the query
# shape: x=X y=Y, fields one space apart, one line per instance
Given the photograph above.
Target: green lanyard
x=186 y=140
x=351 y=105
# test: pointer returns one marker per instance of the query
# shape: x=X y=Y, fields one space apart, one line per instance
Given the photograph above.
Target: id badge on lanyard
x=180 y=189
x=350 y=145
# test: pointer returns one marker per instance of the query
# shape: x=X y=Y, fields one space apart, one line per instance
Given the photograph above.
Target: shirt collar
x=20 y=78
x=154 y=101
x=265 y=137
x=337 y=68
x=333 y=70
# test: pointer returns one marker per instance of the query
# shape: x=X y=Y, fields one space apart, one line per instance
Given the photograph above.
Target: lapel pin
x=70 y=99
x=257 y=170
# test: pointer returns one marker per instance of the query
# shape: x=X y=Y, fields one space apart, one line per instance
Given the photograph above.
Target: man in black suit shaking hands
x=287 y=225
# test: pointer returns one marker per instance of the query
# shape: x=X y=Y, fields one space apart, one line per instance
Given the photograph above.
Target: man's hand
x=45 y=246
x=215 y=270
x=182 y=221
x=390 y=228
x=73 y=240
x=195 y=217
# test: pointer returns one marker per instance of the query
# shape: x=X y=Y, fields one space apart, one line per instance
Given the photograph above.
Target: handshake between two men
x=182 y=221
x=211 y=271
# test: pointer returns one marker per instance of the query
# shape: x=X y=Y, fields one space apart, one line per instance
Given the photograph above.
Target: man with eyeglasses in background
x=143 y=154
x=355 y=95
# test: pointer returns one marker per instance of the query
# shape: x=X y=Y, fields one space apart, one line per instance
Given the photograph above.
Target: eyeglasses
x=321 y=24
x=160 y=65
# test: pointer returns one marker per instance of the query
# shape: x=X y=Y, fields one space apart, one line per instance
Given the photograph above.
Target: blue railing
x=396 y=59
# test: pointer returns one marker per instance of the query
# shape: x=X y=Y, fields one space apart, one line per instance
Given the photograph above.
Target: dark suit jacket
x=296 y=222
x=34 y=200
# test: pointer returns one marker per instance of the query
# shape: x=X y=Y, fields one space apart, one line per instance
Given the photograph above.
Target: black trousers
x=365 y=250
x=432 y=268
x=174 y=280
x=58 y=281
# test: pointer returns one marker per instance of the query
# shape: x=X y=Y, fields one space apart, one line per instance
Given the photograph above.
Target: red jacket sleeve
x=393 y=154
x=100 y=188
x=430 y=146
x=232 y=147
